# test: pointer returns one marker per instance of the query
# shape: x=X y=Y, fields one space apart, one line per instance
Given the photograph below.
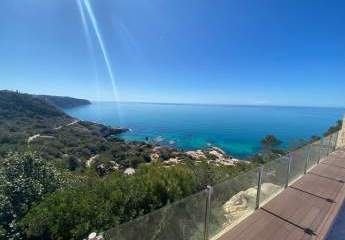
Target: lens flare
x=86 y=10
x=89 y=43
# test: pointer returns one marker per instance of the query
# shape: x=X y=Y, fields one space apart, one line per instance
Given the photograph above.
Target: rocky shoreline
x=213 y=155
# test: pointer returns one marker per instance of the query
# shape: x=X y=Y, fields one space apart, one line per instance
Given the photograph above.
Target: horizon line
x=176 y=103
x=214 y=104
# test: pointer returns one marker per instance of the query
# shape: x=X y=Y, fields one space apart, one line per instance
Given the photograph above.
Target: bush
x=24 y=179
x=2 y=232
x=73 y=163
x=104 y=202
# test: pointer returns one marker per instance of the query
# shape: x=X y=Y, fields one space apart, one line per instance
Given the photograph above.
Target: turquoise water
x=236 y=129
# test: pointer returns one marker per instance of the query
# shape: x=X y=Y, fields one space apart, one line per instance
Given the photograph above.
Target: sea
x=236 y=129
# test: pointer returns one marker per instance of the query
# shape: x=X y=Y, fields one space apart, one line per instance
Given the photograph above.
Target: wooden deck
x=305 y=210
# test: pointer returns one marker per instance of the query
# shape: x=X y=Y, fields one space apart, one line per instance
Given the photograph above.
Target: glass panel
x=324 y=146
x=273 y=178
x=314 y=154
x=181 y=220
x=335 y=139
x=298 y=163
x=232 y=201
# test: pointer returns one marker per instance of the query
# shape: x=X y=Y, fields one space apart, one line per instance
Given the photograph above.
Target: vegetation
x=23 y=116
x=24 y=179
x=101 y=203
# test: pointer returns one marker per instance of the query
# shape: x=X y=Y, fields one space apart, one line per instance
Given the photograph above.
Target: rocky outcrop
x=108 y=131
x=196 y=155
x=213 y=155
x=90 y=161
x=114 y=165
x=221 y=151
x=154 y=157
x=239 y=205
x=172 y=161
x=129 y=171
x=243 y=202
x=94 y=236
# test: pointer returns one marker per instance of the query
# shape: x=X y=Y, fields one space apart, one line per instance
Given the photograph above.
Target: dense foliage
x=101 y=203
x=24 y=179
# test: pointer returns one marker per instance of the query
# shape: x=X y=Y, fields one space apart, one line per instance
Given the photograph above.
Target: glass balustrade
x=215 y=210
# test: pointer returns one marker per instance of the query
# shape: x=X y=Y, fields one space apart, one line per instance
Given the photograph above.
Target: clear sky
x=275 y=52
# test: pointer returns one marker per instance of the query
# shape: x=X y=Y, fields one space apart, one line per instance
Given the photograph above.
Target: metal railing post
x=258 y=192
x=209 y=191
x=307 y=160
x=288 y=170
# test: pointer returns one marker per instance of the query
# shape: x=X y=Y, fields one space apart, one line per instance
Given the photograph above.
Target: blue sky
x=275 y=52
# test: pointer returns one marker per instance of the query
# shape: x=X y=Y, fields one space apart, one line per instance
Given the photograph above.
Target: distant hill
x=18 y=105
x=22 y=115
x=39 y=123
x=63 y=102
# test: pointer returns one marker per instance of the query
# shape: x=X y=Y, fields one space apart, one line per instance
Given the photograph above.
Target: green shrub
x=24 y=179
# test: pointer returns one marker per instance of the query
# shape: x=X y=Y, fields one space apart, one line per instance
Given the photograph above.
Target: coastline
x=191 y=128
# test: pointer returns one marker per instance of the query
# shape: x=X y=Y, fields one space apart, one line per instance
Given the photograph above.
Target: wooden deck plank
x=304 y=205
x=328 y=171
x=299 y=208
x=335 y=159
x=319 y=186
x=266 y=225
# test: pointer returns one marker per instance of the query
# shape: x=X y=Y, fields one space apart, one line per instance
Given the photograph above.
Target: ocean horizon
x=237 y=129
x=215 y=104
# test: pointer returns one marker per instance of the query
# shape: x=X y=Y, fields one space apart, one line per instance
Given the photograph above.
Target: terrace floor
x=305 y=210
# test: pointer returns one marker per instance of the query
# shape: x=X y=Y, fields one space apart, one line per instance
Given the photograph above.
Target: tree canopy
x=24 y=179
